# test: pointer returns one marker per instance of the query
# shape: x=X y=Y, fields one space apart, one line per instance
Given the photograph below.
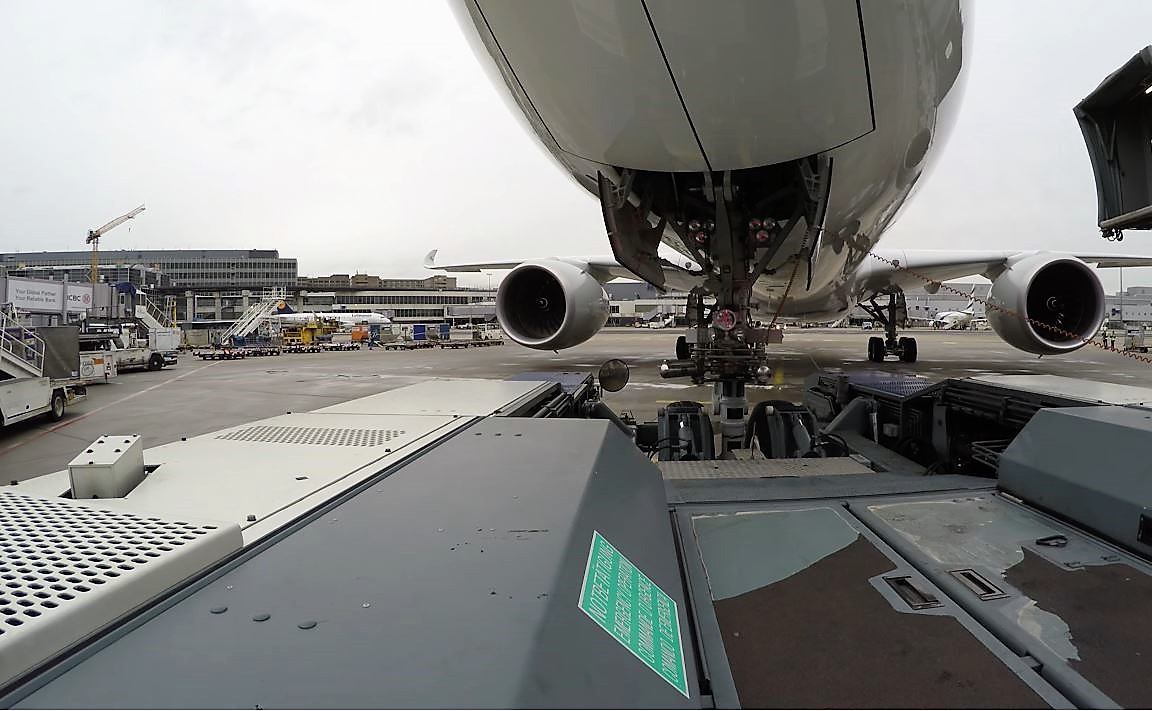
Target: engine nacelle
x=549 y=304
x=1056 y=290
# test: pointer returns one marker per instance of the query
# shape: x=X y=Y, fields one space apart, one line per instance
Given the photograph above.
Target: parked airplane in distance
x=956 y=320
x=351 y=318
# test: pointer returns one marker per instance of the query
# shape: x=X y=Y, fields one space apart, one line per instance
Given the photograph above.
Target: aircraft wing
x=916 y=265
x=604 y=268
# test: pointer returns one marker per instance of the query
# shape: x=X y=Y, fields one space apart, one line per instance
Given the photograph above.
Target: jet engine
x=1054 y=304
x=550 y=304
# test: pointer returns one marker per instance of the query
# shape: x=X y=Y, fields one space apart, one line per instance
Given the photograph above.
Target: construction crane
x=94 y=240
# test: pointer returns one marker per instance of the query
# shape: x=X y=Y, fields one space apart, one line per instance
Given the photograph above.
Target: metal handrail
x=251 y=319
x=21 y=343
x=156 y=312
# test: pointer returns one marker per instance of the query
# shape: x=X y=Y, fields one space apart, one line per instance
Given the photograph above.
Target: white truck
x=125 y=354
x=24 y=398
x=166 y=342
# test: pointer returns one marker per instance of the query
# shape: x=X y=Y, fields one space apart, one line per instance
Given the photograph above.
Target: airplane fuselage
x=678 y=88
x=952 y=320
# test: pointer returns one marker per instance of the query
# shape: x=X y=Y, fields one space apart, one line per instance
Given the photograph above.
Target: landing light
x=763 y=236
x=725 y=319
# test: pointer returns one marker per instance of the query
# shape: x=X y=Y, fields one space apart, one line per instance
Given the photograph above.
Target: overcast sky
x=357 y=135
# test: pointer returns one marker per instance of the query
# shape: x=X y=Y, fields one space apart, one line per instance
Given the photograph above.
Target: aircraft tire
x=876 y=349
x=908 y=350
x=682 y=350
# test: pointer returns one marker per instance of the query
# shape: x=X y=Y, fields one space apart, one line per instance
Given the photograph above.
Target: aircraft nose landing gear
x=893 y=314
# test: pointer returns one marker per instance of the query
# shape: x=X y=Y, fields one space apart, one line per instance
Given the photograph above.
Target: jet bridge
x=472 y=543
x=1116 y=120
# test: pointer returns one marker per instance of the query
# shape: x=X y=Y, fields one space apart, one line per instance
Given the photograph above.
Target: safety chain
x=996 y=307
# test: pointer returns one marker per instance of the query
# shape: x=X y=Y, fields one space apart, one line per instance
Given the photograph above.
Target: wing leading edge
x=943 y=265
x=604 y=268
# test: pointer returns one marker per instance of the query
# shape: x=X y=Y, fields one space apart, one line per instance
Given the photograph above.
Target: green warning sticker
x=634 y=610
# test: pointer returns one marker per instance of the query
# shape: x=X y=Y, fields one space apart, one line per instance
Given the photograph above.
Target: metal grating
x=891 y=383
x=67 y=568
x=324 y=436
x=761 y=468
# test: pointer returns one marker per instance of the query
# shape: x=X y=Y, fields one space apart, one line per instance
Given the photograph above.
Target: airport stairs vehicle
x=251 y=319
x=662 y=311
x=21 y=350
x=152 y=314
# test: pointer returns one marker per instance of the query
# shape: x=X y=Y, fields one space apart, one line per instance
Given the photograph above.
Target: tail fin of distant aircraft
x=284 y=308
x=971 y=307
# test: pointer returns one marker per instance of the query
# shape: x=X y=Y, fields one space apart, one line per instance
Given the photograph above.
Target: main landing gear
x=890 y=315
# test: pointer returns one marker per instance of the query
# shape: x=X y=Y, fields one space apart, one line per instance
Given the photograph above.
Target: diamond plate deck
x=891 y=383
x=762 y=468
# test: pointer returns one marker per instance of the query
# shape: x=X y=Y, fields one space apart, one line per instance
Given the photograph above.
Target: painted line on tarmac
x=64 y=423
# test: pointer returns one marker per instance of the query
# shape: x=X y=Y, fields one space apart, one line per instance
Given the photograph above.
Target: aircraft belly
x=767 y=82
x=596 y=76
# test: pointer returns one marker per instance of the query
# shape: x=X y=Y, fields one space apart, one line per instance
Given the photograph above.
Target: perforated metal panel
x=761 y=468
x=891 y=383
x=324 y=436
x=67 y=569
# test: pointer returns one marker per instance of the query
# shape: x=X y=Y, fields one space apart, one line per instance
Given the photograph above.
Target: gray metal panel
x=61 y=351
x=1105 y=487
x=453 y=582
x=683 y=491
x=1091 y=391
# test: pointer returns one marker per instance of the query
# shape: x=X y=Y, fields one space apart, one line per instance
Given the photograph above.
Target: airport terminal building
x=184 y=268
x=221 y=284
